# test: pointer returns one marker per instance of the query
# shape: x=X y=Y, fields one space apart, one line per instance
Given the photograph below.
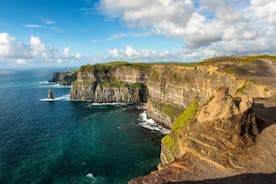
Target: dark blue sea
x=69 y=142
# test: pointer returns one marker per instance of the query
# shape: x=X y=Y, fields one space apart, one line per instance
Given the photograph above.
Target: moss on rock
x=182 y=118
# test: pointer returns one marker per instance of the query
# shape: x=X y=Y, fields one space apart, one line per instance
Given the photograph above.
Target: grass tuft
x=182 y=118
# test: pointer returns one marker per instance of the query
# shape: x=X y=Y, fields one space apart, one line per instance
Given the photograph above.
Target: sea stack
x=50 y=94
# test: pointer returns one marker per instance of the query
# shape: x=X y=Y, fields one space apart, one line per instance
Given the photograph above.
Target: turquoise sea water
x=68 y=142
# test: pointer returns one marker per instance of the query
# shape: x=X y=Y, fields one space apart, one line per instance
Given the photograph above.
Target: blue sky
x=73 y=32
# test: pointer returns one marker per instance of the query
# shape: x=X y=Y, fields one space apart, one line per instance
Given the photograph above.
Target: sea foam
x=60 y=98
x=151 y=124
x=46 y=84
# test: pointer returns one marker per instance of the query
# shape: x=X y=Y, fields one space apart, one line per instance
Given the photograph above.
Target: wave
x=60 y=98
x=150 y=124
x=44 y=82
x=90 y=175
x=115 y=103
x=47 y=84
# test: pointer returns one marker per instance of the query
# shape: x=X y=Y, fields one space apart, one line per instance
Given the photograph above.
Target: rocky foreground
x=220 y=141
x=221 y=112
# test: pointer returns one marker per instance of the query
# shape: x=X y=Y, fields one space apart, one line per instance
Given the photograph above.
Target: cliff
x=218 y=140
x=64 y=78
x=113 y=82
x=216 y=132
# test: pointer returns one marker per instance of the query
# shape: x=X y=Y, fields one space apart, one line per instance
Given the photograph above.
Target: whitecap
x=90 y=175
x=151 y=124
x=44 y=82
x=60 y=98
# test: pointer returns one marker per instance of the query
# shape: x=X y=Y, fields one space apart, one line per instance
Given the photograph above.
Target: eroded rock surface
x=221 y=140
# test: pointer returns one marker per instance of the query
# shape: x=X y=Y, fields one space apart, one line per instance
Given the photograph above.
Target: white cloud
x=114 y=52
x=18 y=52
x=12 y=48
x=68 y=53
x=264 y=9
x=32 y=26
x=130 y=54
x=215 y=27
x=48 y=21
x=124 y=35
x=21 y=61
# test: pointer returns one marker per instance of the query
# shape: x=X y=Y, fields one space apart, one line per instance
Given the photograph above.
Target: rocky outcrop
x=64 y=78
x=180 y=85
x=231 y=129
x=220 y=140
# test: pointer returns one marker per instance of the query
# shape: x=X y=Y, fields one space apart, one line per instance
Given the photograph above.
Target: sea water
x=62 y=141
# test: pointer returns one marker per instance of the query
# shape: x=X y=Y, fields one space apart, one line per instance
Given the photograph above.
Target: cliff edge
x=220 y=140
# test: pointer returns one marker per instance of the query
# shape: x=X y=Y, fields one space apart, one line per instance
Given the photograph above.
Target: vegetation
x=170 y=110
x=119 y=84
x=182 y=118
x=168 y=141
x=249 y=59
x=246 y=85
x=85 y=82
x=154 y=75
x=86 y=68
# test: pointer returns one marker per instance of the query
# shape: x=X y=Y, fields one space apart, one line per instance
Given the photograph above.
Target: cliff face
x=219 y=140
x=178 y=86
x=167 y=89
x=110 y=83
x=64 y=78
x=222 y=132
x=214 y=130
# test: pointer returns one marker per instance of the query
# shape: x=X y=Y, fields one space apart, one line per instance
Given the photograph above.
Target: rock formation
x=64 y=78
x=218 y=141
x=111 y=83
x=214 y=130
x=50 y=94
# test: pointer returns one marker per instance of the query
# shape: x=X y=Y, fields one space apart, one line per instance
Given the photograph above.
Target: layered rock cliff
x=219 y=140
x=110 y=83
x=64 y=78
x=230 y=134
x=214 y=130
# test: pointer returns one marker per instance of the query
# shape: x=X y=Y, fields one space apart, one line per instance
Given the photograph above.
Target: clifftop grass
x=146 y=66
x=182 y=118
x=106 y=66
x=171 y=111
x=120 y=84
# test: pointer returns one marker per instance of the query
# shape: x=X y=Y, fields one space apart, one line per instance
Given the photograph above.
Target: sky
x=58 y=33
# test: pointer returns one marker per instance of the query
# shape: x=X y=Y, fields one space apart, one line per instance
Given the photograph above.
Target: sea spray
x=151 y=124
x=60 y=98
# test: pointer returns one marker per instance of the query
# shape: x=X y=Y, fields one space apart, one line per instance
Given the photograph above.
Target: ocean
x=69 y=142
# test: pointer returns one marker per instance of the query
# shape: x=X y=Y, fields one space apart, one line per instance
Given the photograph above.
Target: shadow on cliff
x=265 y=116
x=238 y=179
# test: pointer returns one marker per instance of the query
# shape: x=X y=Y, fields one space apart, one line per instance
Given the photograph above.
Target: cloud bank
x=34 y=52
x=207 y=27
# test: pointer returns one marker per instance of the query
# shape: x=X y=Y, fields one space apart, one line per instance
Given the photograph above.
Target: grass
x=182 y=118
x=168 y=141
x=87 y=68
x=119 y=84
x=242 y=89
x=170 y=110
x=154 y=76
x=84 y=82
x=146 y=66
x=249 y=59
